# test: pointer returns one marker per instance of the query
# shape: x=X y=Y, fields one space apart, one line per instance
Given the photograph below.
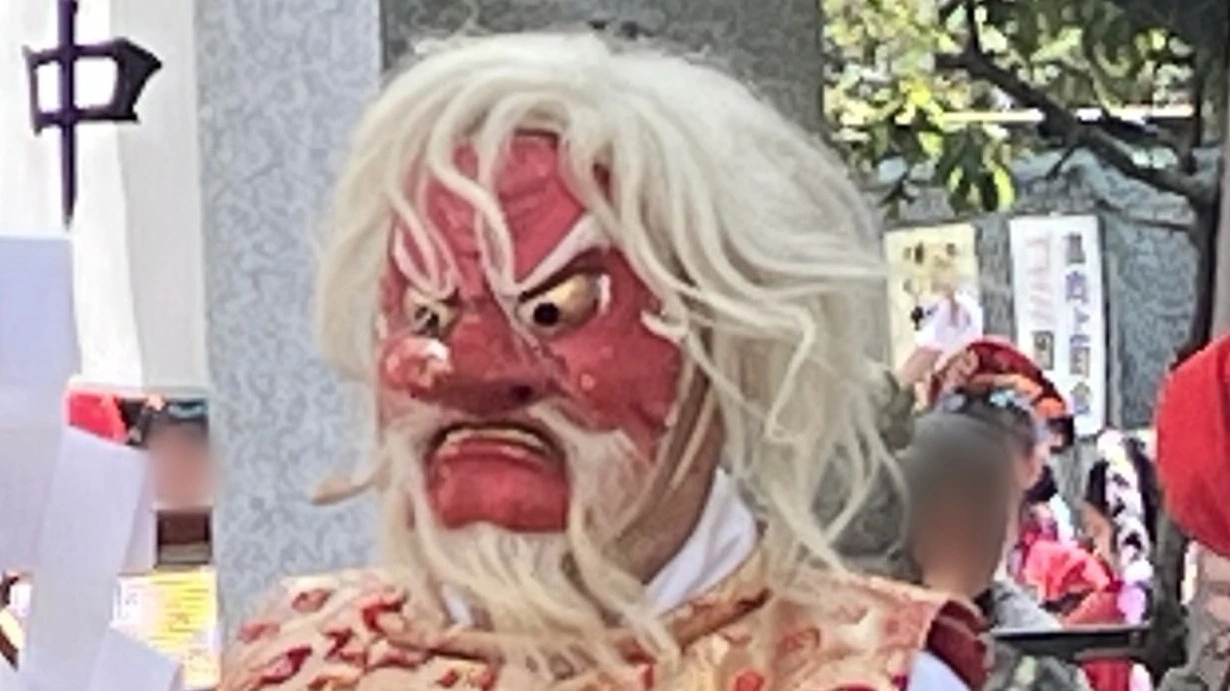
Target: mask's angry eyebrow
x=401 y=256
x=409 y=259
x=584 y=236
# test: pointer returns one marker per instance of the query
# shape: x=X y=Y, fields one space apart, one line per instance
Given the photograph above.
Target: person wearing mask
x=597 y=457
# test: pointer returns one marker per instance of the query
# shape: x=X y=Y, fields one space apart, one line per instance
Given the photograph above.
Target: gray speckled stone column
x=775 y=43
x=280 y=84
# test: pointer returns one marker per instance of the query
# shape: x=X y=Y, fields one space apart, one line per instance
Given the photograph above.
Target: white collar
x=722 y=540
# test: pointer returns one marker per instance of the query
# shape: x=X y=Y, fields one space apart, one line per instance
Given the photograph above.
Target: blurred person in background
x=1119 y=516
x=991 y=380
x=1046 y=512
x=1193 y=464
x=176 y=436
x=960 y=474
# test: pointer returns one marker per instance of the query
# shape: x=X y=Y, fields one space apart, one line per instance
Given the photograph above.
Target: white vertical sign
x=74 y=508
x=1058 y=303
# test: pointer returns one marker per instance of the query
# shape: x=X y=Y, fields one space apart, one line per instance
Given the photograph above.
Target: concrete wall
x=775 y=43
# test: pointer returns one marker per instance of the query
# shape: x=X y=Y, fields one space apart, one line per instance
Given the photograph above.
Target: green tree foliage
x=913 y=80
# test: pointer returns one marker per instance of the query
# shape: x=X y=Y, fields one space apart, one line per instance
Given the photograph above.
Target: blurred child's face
x=954 y=549
x=181 y=467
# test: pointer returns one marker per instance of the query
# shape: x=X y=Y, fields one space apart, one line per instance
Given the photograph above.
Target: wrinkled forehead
x=539 y=209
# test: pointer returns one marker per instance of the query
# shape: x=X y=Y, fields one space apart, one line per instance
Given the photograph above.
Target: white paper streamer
x=76 y=510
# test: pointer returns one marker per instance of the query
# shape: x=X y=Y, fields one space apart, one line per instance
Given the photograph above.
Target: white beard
x=540 y=585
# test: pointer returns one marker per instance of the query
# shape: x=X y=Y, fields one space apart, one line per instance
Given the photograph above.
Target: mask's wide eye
x=567 y=304
x=426 y=317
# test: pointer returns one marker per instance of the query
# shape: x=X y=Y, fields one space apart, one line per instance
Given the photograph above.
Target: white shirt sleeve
x=930 y=674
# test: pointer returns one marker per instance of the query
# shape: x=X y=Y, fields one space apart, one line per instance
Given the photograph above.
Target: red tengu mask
x=571 y=338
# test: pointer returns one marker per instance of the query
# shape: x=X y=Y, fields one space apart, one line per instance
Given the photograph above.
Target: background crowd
x=987 y=521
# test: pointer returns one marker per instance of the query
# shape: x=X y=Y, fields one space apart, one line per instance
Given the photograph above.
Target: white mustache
x=421 y=424
x=598 y=463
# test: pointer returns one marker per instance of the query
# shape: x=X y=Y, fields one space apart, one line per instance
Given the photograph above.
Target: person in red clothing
x=606 y=303
x=1193 y=464
x=991 y=380
x=1107 y=581
x=1193 y=440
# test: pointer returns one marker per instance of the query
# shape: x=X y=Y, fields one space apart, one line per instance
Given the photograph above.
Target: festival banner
x=918 y=259
x=1059 y=308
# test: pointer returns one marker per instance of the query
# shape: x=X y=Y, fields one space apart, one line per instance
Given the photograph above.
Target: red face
x=572 y=341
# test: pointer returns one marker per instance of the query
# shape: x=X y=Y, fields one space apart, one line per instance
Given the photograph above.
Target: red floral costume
x=357 y=631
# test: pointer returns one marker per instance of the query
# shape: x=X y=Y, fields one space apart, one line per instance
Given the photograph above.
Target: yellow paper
x=175 y=613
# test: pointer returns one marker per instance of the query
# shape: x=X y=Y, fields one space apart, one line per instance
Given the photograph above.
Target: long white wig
x=751 y=233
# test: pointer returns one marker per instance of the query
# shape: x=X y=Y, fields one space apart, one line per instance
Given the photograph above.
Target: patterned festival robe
x=359 y=631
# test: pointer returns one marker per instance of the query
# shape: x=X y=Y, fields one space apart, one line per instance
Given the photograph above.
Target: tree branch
x=973 y=41
x=945 y=10
x=1067 y=125
x=1196 y=135
x=974 y=61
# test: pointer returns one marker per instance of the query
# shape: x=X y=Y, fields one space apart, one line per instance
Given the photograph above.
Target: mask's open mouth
x=519 y=438
x=510 y=474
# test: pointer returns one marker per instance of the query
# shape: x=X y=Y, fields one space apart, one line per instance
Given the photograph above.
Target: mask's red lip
x=526 y=436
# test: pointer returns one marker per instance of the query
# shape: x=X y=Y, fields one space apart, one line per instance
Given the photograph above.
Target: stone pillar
x=280 y=85
x=775 y=44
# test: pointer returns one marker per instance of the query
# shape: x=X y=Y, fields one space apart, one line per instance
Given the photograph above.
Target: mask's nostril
x=522 y=393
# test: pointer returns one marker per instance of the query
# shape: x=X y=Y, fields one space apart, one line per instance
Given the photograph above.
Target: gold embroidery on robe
x=355 y=631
